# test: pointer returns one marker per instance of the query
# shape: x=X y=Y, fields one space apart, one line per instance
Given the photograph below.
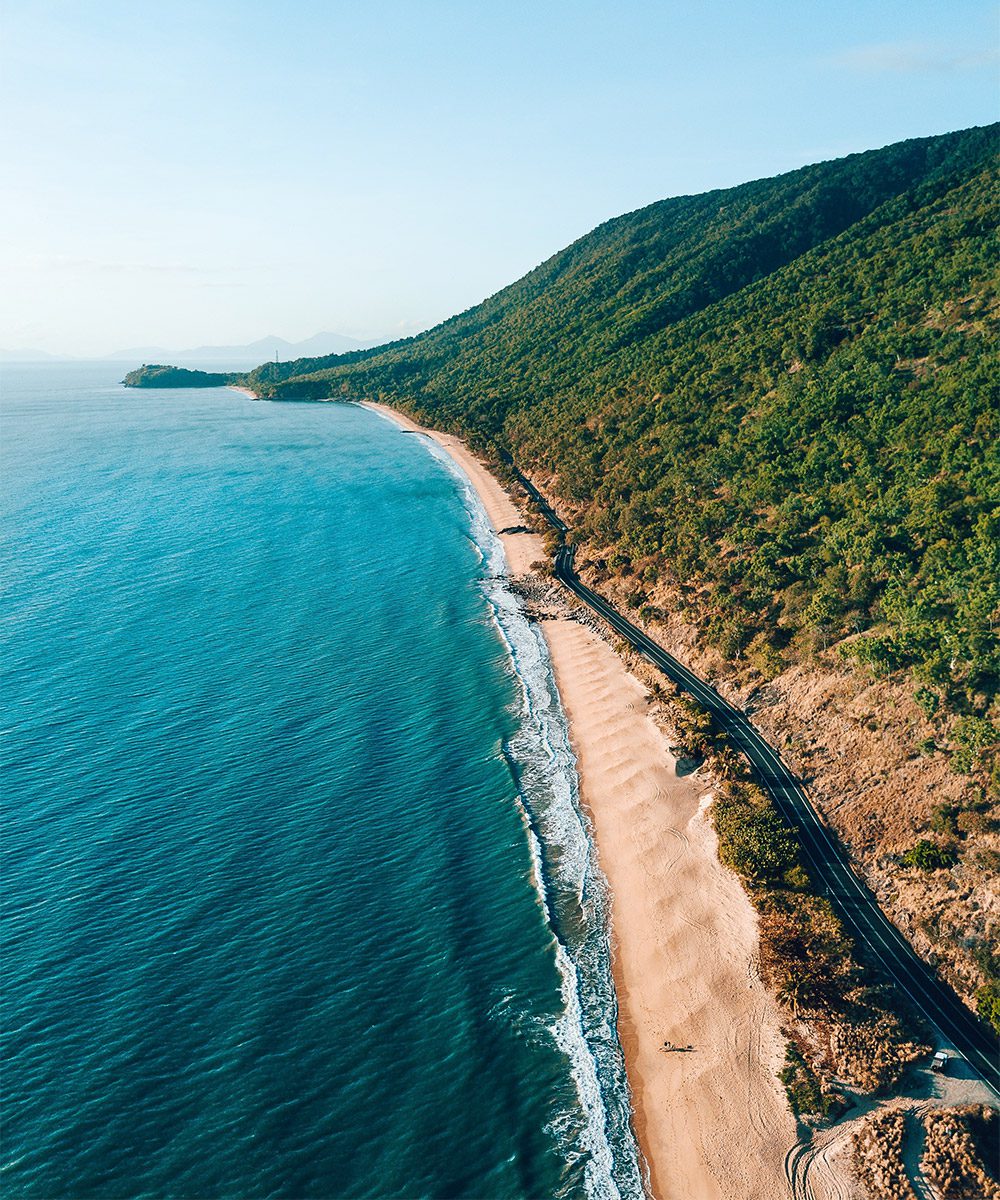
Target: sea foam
x=571 y=888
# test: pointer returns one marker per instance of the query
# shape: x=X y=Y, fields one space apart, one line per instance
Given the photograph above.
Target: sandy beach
x=711 y=1121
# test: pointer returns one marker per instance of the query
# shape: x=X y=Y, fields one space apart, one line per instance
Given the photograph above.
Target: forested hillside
x=780 y=397
x=778 y=402
x=771 y=415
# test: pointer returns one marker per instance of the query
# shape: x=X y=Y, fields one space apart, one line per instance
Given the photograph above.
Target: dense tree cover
x=777 y=401
x=753 y=839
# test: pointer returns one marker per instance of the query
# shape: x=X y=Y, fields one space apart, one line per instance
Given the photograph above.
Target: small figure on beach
x=669 y=1046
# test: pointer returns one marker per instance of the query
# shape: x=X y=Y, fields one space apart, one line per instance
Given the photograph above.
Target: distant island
x=155 y=375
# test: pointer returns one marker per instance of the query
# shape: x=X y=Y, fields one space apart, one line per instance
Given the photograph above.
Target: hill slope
x=771 y=414
x=782 y=392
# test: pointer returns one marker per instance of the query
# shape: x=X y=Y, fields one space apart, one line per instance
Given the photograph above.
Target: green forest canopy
x=778 y=399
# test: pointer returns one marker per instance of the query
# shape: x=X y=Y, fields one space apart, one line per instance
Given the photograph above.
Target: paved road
x=824 y=858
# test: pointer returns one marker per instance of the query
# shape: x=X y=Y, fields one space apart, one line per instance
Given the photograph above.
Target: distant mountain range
x=249 y=355
x=16 y=356
x=254 y=353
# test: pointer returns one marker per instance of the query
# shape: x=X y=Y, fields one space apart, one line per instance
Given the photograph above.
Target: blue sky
x=182 y=173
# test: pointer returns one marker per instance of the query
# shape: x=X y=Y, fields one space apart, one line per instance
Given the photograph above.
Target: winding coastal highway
x=825 y=859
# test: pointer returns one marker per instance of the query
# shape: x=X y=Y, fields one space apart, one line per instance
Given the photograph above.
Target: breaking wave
x=570 y=886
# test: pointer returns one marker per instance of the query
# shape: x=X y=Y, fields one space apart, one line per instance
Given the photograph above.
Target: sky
x=186 y=173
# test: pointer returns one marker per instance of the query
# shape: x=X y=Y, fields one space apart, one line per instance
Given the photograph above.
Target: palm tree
x=797 y=991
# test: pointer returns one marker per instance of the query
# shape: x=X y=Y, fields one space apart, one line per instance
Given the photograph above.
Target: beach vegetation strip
x=844 y=1023
x=960 y=1151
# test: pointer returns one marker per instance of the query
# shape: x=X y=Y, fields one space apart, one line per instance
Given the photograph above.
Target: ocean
x=297 y=898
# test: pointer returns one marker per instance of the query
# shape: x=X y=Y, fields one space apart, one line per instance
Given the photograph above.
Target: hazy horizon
x=322 y=342
x=217 y=173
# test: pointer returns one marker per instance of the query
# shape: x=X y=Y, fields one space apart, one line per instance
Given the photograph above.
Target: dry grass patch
x=878 y=1157
x=960 y=1142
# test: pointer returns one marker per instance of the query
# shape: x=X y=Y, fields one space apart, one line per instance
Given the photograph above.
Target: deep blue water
x=296 y=898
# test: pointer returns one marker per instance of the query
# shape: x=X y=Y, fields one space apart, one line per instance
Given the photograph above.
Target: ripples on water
x=272 y=897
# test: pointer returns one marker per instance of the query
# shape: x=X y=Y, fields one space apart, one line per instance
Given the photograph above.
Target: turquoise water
x=297 y=901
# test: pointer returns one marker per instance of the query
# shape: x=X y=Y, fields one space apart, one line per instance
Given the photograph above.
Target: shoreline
x=712 y=1122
